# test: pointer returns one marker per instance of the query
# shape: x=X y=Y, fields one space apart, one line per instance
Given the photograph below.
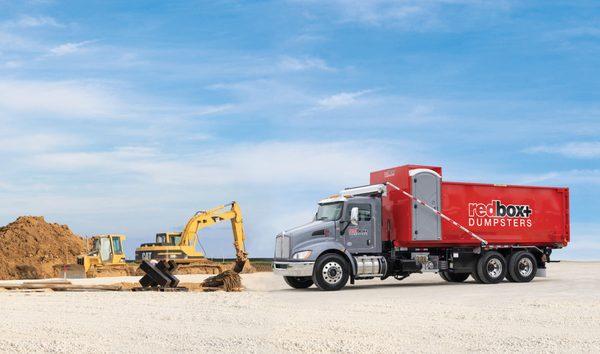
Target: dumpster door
x=426 y=186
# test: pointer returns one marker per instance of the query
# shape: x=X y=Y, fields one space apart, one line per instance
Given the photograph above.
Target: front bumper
x=293 y=269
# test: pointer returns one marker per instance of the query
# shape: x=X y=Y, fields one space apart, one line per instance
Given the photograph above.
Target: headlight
x=302 y=255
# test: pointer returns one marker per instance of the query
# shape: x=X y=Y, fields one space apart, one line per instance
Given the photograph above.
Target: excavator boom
x=203 y=219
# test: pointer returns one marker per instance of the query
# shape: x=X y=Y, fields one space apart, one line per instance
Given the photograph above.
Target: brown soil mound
x=30 y=247
x=228 y=280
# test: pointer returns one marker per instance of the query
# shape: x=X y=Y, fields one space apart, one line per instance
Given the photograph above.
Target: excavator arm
x=203 y=219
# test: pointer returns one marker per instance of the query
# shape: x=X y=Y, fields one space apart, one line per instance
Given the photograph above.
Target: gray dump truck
x=409 y=221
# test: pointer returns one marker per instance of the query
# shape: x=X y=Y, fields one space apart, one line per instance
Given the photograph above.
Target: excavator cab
x=168 y=238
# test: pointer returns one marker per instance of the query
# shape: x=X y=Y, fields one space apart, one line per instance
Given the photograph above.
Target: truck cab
x=347 y=226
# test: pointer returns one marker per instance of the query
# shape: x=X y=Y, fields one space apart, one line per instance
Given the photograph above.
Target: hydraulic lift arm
x=203 y=219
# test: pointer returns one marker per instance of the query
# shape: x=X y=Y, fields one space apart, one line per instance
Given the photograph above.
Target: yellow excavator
x=106 y=258
x=181 y=246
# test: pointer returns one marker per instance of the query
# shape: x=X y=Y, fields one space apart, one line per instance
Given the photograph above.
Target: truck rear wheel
x=522 y=267
x=453 y=277
x=491 y=267
x=331 y=272
x=299 y=282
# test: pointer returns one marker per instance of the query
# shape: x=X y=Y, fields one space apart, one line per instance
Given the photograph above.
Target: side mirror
x=354 y=216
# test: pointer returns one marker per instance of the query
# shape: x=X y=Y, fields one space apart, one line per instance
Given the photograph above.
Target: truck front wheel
x=299 y=282
x=491 y=267
x=331 y=272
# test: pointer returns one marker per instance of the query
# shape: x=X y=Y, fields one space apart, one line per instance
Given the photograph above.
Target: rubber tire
x=299 y=282
x=456 y=277
x=513 y=271
x=508 y=276
x=443 y=275
x=318 y=272
x=475 y=276
x=482 y=267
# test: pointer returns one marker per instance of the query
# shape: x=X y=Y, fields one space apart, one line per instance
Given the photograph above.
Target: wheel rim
x=332 y=272
x=525 y=267
x=494 y=268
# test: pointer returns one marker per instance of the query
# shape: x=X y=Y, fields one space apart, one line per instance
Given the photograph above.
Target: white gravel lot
x=560 y=313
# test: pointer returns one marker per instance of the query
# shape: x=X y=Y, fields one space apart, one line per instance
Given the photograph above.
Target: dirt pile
x=228 y=281
x=30 y=247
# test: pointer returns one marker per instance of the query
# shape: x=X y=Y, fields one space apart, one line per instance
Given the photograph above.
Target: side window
x=364 y=211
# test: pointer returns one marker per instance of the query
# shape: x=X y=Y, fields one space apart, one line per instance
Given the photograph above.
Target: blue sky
x=130 y=116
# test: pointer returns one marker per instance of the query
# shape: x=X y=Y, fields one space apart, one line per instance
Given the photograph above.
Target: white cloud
x=341 y=99
x=582 y=150
x=19 y=142
x=301 y=64
x=35 y=21
x=279 y=98
x=209 y=110
x=4 y=186
x=266 y=163
x=93 y=100
x=10 y=41
x=412 y=15
x=12 y=64
x=566 y=177
x=69 y=48
x=52 y=98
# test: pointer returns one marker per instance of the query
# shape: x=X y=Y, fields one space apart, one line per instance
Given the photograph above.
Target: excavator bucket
x=239 y=266
x=241 y=258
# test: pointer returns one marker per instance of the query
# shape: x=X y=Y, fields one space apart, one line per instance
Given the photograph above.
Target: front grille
x=282 y=247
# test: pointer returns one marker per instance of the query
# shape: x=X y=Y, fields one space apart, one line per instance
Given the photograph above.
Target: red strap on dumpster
x=469 y=232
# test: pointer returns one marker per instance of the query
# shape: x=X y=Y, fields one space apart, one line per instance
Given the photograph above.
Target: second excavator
x=181 y=246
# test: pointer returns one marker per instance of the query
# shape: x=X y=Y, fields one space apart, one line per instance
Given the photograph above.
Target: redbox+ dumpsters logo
x=498 y=214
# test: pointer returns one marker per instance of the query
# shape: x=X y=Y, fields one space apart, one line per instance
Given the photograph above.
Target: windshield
x=329 y=212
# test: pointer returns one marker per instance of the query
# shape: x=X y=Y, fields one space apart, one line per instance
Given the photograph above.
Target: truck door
x=360 y=238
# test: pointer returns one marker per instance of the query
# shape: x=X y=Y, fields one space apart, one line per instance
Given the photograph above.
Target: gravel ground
x=560 y=313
